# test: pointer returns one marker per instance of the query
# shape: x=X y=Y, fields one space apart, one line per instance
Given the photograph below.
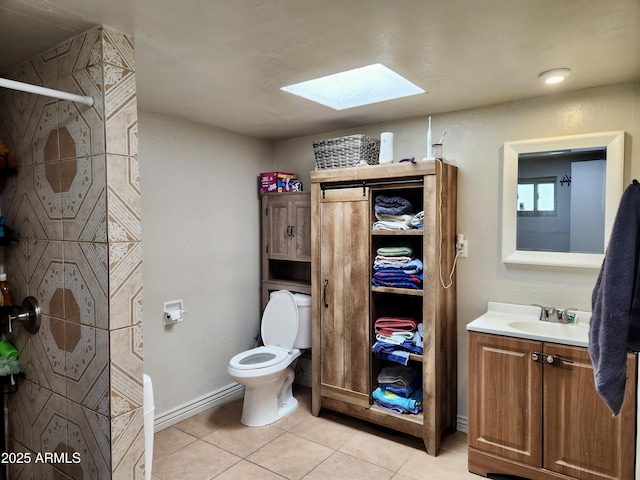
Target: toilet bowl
x=267 y=371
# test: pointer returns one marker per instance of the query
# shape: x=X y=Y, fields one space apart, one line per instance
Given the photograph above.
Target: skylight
x=354 y=88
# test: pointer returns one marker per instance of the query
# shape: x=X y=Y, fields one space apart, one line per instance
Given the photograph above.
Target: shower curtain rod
x=48 y=92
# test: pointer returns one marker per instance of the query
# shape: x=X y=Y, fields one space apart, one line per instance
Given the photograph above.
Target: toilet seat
x=280 y=321
x=259 y=357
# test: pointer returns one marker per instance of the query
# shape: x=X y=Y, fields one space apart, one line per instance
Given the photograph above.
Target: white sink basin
x=557 y=330
x=523 y=321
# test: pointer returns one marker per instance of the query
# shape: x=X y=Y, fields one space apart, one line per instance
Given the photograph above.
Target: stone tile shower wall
x=75 y=204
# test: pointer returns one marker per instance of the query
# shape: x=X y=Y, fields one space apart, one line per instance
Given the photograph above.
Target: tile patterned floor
x=215 y=445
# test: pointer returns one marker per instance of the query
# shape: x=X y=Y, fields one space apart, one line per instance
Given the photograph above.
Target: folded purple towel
x=397 y=280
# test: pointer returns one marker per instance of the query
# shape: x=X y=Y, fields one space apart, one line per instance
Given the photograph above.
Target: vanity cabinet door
x=581 y=438
x=344 y=290
x=505 y=397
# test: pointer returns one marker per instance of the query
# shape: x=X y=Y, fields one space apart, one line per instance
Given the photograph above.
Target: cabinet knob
x=535 y=357
x=550 y=359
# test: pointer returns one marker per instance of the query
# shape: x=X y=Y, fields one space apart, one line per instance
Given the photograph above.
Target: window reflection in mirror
x=561 y=200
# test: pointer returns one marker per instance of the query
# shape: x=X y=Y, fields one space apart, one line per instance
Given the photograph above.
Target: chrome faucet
x=568 y=317
x=558 y=315
x=541 y=309
x=544 y=312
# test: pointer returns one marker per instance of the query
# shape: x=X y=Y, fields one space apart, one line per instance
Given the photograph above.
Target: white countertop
x=523 y=321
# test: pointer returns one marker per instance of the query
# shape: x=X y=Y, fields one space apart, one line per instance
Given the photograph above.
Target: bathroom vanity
x=533 y=407
x=345 y=303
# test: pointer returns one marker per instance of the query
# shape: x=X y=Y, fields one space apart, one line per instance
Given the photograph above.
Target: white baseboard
x=219 y=397
x=230 y=392
x=462 y=424
x=189 y=409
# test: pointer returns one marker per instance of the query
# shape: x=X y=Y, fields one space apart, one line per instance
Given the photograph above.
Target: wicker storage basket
x=346 y=151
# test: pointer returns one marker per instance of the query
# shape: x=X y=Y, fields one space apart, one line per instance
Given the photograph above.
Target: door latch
x=324 y=293
x=552 y=360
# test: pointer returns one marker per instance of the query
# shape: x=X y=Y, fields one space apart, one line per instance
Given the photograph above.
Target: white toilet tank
x=303 y=339
x=303 y=302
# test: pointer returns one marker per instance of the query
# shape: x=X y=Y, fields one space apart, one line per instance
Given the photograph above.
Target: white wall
x=474 y=143
x=200 y=227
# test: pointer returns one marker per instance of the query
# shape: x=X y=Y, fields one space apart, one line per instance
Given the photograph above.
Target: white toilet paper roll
x=386 y=147
x=173 y=315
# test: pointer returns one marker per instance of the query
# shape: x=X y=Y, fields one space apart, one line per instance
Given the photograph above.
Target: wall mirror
x=560 y=196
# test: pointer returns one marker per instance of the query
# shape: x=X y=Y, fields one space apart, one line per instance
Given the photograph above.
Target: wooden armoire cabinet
x=345 y=303
x=286 y=243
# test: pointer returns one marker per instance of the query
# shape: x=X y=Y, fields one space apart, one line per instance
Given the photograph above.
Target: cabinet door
x=301 y=233
x=581 y=438
x=505 y=397
x=278 y=234
x=344 y=273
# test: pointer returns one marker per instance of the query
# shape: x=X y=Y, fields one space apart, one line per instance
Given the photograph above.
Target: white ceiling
x=222 y=62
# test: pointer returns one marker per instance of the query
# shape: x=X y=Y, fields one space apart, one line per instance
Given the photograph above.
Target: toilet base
x=269 y=403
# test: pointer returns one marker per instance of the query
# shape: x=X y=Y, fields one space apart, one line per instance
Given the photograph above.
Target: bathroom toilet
x=267 y=371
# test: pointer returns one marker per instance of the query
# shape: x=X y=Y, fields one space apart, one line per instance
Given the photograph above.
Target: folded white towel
x=391 y=261
x=396 y=338
x=384 y=225
x=404 y=219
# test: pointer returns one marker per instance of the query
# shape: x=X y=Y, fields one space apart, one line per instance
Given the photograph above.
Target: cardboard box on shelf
x=277 y=182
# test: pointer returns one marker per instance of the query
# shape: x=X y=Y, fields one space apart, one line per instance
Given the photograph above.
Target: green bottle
x=7 y=350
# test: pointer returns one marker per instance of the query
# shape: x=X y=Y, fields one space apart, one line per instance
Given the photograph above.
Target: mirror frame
x=613 y=141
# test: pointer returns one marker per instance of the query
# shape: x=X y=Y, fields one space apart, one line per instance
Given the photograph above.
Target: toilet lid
x=280 y=321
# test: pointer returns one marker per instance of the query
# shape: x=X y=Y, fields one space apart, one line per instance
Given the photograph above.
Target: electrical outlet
x=461 y=246
x=462 y=249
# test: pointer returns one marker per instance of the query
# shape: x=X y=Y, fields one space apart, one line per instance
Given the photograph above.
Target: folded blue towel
x=410 y=346
x=393 y=353
x=396 y=284
x=413 y=266
x=404 y=276
x=391 y=408
x=393 y=205
x=398 y=280
x=412 y=404
x=407 y=391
